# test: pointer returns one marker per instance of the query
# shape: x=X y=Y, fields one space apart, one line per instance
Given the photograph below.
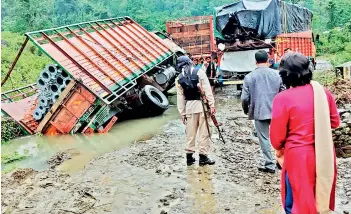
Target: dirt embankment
x=151 y=177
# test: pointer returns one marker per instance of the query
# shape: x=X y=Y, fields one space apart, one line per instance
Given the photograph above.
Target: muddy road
x=150 y=176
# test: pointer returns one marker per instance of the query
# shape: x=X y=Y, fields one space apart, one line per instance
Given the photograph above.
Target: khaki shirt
x=194 y=106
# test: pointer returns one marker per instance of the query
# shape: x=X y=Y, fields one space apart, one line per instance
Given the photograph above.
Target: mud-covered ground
x=151 y=176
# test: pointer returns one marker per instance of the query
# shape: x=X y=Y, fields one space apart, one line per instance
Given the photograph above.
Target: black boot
x=190 y=160
x=204 y=160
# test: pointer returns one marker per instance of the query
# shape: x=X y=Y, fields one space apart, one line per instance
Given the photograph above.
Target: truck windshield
x=239 y=61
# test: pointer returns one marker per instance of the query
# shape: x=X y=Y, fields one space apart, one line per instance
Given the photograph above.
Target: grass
x=13 y=157
x=324 y=77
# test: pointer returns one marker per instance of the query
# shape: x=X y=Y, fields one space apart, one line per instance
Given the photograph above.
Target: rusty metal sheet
x=194 y=34
x=18 y=109
x=107 y=56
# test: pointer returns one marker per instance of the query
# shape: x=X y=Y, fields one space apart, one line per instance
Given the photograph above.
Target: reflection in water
x=202 y=192
x=83 y=148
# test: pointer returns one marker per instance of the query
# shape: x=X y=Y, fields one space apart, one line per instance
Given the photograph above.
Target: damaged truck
x=244 y=27
x=101 y=71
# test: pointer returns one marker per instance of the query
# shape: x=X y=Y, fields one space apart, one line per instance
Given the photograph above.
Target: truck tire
x=154 y=100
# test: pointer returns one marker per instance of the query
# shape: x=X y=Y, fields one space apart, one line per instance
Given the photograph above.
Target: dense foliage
x=19 y=16
x=29 y=65
x=335 y=45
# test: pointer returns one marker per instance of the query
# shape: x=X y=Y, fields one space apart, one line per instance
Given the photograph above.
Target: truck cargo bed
x=107 y=56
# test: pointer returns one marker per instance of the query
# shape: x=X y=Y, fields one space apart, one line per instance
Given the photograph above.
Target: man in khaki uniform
x=191 y=109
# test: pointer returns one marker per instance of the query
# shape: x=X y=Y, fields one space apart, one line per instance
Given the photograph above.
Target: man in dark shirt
x=211 y=71
x=259 y=89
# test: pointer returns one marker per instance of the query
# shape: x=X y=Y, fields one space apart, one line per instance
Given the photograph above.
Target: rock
x=163 y=212
x=344 y=202
x=343 y=125
x=346 y=212
x=257 y=205
x=227 y=209
x=346 y=115
x=166 y=203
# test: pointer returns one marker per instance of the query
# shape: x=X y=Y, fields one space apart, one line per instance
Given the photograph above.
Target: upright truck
x=101 y=71
x=194 y=34
x=243 y=28
x=237 y=31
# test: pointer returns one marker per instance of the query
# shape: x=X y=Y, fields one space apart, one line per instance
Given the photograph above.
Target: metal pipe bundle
x=51 y=83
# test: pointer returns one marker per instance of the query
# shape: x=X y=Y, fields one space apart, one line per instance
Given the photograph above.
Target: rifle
x=213 y=117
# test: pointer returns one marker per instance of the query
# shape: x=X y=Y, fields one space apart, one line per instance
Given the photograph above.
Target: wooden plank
x=56 y=105
x=190 y=34
x=234 y=82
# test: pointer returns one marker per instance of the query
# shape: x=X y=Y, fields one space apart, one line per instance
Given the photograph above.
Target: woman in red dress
x=293 y=132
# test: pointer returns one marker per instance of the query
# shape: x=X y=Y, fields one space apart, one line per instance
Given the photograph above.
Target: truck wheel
x=154 y=99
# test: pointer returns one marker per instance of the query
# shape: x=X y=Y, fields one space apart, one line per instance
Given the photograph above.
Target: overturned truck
x=102 y=71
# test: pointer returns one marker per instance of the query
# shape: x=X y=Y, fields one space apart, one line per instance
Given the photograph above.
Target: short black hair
x=295 y=70
x=208 y=57
x=286 y=49
x=261 y=56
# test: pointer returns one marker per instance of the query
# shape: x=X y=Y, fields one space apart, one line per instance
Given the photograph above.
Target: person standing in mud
x=191 y=110
x=303 y=117
x=259 y=89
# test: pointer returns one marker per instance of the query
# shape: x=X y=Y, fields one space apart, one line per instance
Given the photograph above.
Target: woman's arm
x=334 y=114
x=279 y=123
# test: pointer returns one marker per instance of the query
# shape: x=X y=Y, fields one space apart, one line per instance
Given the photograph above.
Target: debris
x=22 y=174
x=341 y=89
x=58 y=159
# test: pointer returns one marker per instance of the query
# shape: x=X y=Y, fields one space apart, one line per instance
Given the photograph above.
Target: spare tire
x=154 y=99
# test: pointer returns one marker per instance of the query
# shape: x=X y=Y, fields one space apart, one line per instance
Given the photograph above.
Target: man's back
x=260 y=87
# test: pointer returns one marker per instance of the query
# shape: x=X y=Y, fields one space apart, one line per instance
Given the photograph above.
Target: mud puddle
x=82 y=148
x=150 y=176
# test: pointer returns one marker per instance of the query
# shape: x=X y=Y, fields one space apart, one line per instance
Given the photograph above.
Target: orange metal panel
x=193 y=34
x=301 y=42
x=51 y=131
x=72 y=108
x=109 y=125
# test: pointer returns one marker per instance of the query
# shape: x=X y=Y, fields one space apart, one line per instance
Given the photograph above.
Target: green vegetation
x=325 y=78
x=335 y=45
x=29 y=65
x=9 y=130
x=9 y=158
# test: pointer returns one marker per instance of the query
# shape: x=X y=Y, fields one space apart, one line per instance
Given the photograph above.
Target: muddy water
x=83 y=148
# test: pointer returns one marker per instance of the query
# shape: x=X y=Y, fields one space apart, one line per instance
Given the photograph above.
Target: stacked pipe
x=52 y=82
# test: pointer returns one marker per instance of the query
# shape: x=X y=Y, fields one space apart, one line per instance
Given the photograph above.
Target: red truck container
x=194 y=34
x=300 y=42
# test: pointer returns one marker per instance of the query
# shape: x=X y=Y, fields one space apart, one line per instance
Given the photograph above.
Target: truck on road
x=244 y=27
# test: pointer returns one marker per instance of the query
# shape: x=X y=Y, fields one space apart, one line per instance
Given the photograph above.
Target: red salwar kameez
x=292 y=129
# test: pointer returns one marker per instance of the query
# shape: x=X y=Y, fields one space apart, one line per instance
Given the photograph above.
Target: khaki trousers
x=196 y=122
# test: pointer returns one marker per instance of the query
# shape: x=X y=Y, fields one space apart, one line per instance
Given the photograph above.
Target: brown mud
x=151 y=176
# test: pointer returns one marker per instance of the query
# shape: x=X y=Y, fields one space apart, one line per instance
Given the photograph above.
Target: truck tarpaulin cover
x=266 y=18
